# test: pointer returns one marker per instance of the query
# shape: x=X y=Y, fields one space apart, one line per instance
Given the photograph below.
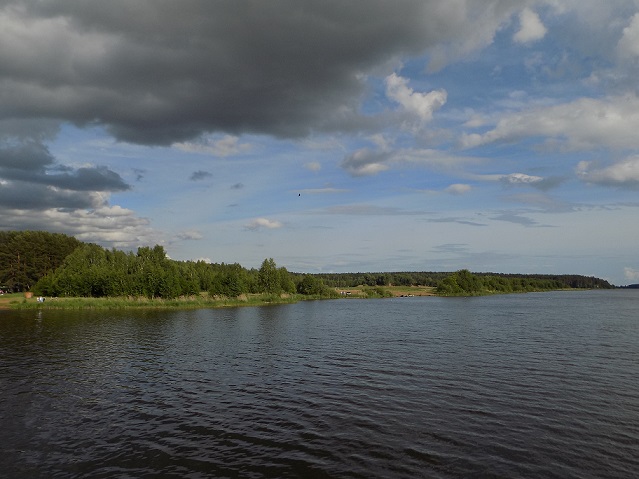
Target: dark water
x=536 y=385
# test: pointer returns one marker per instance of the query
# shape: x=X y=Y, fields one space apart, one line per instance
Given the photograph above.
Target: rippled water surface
x=536 y=385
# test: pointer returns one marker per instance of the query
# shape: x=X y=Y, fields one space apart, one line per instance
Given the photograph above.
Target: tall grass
x=190 y=302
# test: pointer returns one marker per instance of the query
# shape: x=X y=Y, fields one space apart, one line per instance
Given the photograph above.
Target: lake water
x=534 y=385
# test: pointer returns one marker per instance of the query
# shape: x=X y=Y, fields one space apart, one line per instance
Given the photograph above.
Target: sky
x=332 y=136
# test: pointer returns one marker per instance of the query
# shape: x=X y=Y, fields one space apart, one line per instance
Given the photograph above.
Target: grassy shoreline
x=18 y=301
x=193 y=302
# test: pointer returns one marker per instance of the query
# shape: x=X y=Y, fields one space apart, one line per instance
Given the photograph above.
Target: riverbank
x=8 y=300
x=191 y=302
x=202 y=301
x=18 y=301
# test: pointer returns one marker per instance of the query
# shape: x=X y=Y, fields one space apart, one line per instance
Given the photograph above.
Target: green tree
x=27 y=256
x=230 y=281
x=310 y=285
x=460 y=283
x=286 y=281
x=269 y=278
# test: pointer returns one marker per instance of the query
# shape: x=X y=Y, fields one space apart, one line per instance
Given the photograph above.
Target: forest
x=53 y=264
x=26 y=256
x=57 y=265
x=497 y=280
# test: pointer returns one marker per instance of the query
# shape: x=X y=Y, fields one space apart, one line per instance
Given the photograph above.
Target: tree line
x=518 y=282
x=465 y=283
x=92 y=271
x=26 y=256
x=52 y=264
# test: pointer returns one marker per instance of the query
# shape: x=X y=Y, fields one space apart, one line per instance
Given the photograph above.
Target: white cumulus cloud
x=423 y=105
x=623 y=173
x=531 y=28
x=520 y=179
x=628 y=46
x=581 y=124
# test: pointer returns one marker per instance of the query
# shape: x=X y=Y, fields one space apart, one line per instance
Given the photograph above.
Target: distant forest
x=52 y=264
x=346 y=280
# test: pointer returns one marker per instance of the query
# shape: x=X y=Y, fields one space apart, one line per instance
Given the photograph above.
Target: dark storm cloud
x=24 y=157
x=97 y=178
x=38 y=130
x=31 y=179
x=161 y=71
x=31 y=162
x=25 y=196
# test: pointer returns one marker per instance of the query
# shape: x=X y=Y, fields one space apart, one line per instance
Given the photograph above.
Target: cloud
x=515 y=218
x=370 y=210
x=160 y=74
x=366 y=162
x=139 y=174
x=520 y=179
x=37 y=192
x=109 y=226
x=628 y=46
x=460 y=221
x=422 y=105
x=322 y=191
x=543 y=202
x=18 y=195
x=314 y=166
x=531 y=29
x=452 y=248
x=539 y=182
x=458 y=189
x=226 y=146
x=622 y=174
x=263 y=223
x=200 y=175
x=631 y=274
x=32 y=179
x=457 y=36
x=189 y=235
x=585 y=123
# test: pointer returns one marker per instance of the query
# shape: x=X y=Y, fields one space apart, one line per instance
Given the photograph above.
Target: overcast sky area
x=332 y=136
